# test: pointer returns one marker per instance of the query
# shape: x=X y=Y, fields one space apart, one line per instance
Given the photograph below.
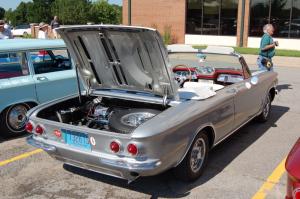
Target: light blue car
x=32 y=71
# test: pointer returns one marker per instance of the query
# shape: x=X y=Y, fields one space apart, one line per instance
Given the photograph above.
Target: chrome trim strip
x=129 y=96
x=46 y=147
x=232 y=132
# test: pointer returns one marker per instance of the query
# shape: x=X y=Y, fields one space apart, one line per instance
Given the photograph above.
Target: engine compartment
x=115 y=115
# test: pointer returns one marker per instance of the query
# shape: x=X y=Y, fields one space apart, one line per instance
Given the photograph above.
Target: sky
x=6 y=4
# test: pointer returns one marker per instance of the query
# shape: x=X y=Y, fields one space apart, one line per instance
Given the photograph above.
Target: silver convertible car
x=135 y=118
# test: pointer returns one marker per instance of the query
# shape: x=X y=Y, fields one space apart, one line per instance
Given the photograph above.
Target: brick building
x=218 y=22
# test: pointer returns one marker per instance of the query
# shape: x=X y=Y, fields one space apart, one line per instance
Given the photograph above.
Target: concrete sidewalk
x=277 y=60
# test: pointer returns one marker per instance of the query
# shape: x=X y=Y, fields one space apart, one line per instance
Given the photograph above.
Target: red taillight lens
x=296 y=190
x=29 y=127
x=57 y=133
x=39 y=130
x=132 y=149
x=115 y=147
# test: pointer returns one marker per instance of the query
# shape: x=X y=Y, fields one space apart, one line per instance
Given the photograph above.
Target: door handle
x=42 y=78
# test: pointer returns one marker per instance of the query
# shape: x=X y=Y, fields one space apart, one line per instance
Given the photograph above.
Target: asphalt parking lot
x=247 y=165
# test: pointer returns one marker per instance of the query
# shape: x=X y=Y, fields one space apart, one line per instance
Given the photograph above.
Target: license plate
x=76 y=139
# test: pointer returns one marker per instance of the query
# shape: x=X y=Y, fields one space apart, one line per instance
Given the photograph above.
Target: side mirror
x=254 y=80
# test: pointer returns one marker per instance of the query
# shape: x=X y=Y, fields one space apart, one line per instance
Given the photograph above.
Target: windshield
x=205 y=60
x=22 y=27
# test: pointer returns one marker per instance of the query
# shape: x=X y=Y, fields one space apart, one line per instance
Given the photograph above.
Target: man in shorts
x=267 y=49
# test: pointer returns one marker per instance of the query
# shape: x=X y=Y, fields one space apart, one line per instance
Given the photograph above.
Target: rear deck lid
x=120 y=57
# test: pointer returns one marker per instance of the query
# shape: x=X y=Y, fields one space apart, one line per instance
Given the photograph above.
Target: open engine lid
x=120 y=57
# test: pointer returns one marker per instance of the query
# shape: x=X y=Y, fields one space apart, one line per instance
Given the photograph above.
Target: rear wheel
x=192 y=166
x=13 y=120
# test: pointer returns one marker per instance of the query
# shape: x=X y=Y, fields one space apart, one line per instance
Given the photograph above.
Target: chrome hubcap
x=17 y=117
x=267 y=107
x=197 y=155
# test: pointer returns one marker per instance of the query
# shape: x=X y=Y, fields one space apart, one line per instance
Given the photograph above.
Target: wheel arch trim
x=29 y=101
x=272 y=91
x=211 y=137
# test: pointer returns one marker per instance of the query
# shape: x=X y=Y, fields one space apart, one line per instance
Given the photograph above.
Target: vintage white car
x=21 y=30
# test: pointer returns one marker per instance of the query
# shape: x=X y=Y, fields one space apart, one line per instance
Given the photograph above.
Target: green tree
x=102 y=12
x=20 y=14
x=9 y=15
x=119 y=13
x=30 y=12
x=39 y=11
x=2 y=13
x=68 y=12
x=71 y=11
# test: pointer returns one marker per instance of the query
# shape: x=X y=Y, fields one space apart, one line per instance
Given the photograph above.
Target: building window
x=228 y=17
x=211 y=21
x=194 y=17
x=259 y=15
x=283 y=14
x=211 y=17
x=280 y=17
x=295 y=19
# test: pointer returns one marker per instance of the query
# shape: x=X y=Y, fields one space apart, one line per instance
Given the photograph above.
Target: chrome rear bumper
x=120 y=167
x=46 y=147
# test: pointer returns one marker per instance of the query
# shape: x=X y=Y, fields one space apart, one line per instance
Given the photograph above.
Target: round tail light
x=39 y=130
x=115 y=147
x=132 y=149
x=29 y=127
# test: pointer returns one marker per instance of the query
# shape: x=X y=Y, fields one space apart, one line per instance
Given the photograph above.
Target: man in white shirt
x=43 y=31
x=4 y=33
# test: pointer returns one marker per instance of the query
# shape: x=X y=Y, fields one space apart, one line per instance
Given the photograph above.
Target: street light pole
x=242 y=24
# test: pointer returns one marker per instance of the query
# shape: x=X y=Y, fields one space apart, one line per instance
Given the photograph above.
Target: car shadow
x=284 y=87
x=4 y=139
x=167 y=186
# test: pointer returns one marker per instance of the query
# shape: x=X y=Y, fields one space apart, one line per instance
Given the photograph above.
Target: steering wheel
x=59 y=57
x=188 y=77
x=59 y=61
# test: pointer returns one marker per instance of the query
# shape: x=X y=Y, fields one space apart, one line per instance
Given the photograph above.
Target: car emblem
x=248 y=85
x=93 y=141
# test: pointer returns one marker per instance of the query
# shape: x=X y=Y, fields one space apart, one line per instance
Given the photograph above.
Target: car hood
x=120 y=57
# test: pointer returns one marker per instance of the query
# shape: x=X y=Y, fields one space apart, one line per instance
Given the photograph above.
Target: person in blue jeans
x=267 y=48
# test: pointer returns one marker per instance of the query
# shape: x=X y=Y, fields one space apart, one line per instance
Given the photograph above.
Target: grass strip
x=254 y=51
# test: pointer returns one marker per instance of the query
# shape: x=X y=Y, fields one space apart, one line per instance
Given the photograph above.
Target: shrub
x=167 y=34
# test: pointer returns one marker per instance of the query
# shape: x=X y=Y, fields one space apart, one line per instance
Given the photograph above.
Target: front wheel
x=13 y=120
x=265 y=114
x=192 y=166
